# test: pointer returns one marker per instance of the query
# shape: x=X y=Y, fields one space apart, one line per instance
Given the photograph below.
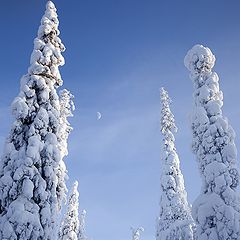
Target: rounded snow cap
x=75 y=185
x=50 y=5
x=199 y=59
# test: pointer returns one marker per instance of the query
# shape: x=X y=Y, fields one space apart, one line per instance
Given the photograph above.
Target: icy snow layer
x=32 y=170
x=217 y=209
x=175 y=221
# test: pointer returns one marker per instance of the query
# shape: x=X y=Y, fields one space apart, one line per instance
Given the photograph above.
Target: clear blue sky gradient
x=119 y=53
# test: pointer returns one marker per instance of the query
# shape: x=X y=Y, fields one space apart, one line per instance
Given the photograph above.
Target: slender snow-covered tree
x=175 y=221
x=82 y=228
x=136 y=233
x=31 y=172
x=66 y=108
x=217 y=209
x=70 y=226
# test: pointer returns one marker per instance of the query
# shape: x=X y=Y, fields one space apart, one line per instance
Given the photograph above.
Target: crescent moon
x=99 y=115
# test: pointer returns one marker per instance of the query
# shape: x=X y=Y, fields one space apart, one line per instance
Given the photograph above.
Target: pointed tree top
x=167 y=119
x=75 y=185
x=199 y=59
x=50 y=5
x=46 y=56
x=49 y=21
x=84 y=212
x=136 y=232
x=74 y=188
x=73 y=198
x=164 y=96
x=81 y=233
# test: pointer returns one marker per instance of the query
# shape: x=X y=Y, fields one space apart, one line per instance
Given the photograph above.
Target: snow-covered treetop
x=74 y=196
x=46 y=56
x=66 y=102
x=167 y=119
x=69 y=229
x=66 y=109
x=167 y=122
x=82 y=227
x=32 y=173
x=199 y=59
x=216 y=210
x=46 y=25
x=82 y=219
x=175 y=220
x=136 y=233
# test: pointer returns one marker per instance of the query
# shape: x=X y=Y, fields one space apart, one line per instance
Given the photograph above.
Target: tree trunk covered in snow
x=32 y=170
x=175 y=221
x=217 y=209
x=70 y=226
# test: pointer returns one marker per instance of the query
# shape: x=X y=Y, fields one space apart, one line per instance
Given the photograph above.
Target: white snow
x=82 y=228
x=175 y=221
x=136 y=233
x=32 y=170
x=217 y=209
x=69 y=228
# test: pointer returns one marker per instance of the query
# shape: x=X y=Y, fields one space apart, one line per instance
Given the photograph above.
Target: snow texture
x=175 y=221
x=217 y=209
x=82 y=228
x=32 y=170
x=136 y=233
x=70 y=226
x=66 y=108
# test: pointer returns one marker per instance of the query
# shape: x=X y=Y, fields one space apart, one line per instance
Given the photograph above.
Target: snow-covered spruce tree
x=217 y=209
x=66 y=108
x=70 y=226
x=175 y=221
x=31 y=172
x=82 y=228
x=136 y=233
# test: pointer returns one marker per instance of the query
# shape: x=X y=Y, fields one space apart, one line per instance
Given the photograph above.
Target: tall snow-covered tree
x=136 y=233
x=31 y=169
x=217 y=209
x=82 y=228
x=66 y=108
x=70 y=226
x=175 y=221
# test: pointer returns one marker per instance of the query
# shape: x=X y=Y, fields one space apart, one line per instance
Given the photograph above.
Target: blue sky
x=119 y=53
